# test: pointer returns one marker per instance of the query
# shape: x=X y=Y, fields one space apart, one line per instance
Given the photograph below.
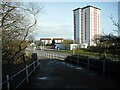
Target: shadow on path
x=57 y=74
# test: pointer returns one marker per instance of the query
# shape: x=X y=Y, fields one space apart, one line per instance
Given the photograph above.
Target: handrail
x=20 y=72
x=26 y=76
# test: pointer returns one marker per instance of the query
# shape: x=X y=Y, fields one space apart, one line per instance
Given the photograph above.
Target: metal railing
x=53 y=56
x=89 y=62
x=35 y=64
x=102 y=65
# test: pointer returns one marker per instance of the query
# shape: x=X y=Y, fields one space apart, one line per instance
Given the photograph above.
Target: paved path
x=57 y=74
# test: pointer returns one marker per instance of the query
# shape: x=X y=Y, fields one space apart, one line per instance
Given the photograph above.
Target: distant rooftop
x=86 y=7
x=58 y=38
x=45 y=38
x=51 y=39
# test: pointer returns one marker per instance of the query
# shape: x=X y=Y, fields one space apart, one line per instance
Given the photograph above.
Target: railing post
x=103 y=67
x=26 y=72
x=8 y=83
x=34 y=65
x=78 y=59
x=88 y=63
x=47 y=55
x=53 y=55
x=38 y=62
x=56 y=56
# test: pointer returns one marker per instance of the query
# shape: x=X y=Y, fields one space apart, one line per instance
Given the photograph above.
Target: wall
x=74 y=46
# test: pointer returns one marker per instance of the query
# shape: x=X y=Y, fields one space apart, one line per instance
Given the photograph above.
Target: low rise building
x=46 y=40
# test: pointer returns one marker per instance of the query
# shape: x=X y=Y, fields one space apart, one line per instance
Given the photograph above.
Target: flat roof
x=76 y=9
x=45 y=38
x=90 y=6
x=86 y=7
x=58 y=38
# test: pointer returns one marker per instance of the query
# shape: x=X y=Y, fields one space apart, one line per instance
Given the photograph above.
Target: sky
x=56 y=19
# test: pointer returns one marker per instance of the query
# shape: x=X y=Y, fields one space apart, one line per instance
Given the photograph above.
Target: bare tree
x=115 y=24
x=16 y=27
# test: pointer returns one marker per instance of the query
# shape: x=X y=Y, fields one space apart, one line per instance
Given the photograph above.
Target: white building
x=49 y=40
x=46 y=40
x=86 y=25
x=119 y=18
x=58 y=40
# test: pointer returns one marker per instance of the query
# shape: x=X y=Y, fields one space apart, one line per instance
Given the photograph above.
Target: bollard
x=8 y=83
x=27 y=72
x=34 y=65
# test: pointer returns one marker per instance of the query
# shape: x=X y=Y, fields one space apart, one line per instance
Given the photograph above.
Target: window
x=85 y=27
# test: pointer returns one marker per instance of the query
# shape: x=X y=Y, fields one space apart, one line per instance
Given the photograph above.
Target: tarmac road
x=58 y=74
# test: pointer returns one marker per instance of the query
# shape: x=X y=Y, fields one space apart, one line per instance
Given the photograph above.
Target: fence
x=53 y=56
x=9 y=82
x=101 y=64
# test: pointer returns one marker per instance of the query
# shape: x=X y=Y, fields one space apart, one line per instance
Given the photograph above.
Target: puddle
x=79 y=68
x=71 y=66
x=63 y=62
x=50 y=78
x=42 y=78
